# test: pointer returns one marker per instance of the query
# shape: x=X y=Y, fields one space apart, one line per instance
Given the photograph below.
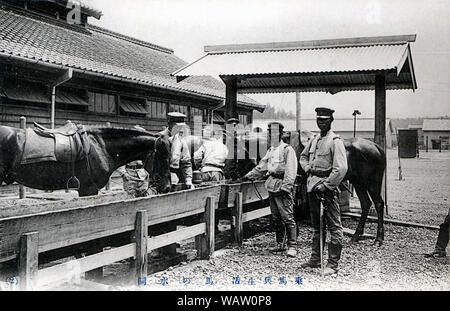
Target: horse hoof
x=355 y=239
x=378 y=243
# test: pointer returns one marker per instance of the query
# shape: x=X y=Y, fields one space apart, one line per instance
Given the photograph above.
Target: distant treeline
x=272 y=113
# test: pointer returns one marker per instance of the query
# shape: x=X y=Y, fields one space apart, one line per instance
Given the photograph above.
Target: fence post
x=205 y=243
x=28 y=260
x=238 y=224
x=22 y=192
x=141 y=233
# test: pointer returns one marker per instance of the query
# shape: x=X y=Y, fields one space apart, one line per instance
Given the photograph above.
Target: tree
x=272 y=113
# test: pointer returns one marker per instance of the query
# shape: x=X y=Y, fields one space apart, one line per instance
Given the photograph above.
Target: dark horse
x=366 y=167
x=106 y=149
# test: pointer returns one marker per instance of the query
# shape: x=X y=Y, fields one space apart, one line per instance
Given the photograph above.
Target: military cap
x=277 y=125
x=176 y=117
x=324 y=113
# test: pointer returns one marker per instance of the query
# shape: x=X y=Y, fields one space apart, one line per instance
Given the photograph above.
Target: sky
x=186 y=26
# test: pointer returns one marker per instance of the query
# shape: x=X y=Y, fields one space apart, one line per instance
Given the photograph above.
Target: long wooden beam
x=67 y=227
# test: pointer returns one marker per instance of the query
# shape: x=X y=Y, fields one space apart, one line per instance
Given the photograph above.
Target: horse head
x=157 y=163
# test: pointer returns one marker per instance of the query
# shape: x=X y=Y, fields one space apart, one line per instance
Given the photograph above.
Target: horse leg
x=375 y=194
x=365 y=203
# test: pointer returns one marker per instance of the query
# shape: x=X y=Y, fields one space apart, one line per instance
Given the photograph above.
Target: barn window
x=132 y=106
x=156 y=110
x=102 y=103
x=179 y=108
x=197 y=113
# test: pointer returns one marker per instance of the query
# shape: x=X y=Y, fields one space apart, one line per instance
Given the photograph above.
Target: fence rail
x=25 y=237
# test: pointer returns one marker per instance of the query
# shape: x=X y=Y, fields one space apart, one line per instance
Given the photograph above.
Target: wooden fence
x=26 y=236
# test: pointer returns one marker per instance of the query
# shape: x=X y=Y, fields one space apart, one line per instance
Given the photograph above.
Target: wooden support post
x=230 y=98
x=141 y=233
x=205 y=243
x=238 y=223
x=28 y=260
x=380 y=120
x=22 y=190
x=298 y=111
x=380 y=110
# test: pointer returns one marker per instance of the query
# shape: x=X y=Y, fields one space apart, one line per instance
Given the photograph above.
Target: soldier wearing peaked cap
x=280 y=163
x=324 y=160
x=180 y=161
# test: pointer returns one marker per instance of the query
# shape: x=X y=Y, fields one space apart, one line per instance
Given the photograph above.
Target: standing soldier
x=325 y=162
x=212 y=154
x=280 y=162
x=180 y=161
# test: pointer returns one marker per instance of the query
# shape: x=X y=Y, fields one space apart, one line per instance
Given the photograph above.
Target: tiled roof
x=99 y=51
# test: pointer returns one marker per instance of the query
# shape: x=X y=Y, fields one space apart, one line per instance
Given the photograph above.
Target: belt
x=279 y=176
x=134 y=167
x=214 y=165
x=321 y=174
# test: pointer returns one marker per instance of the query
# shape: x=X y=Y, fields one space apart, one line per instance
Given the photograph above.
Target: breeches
x=332 y=216
x=281 y=206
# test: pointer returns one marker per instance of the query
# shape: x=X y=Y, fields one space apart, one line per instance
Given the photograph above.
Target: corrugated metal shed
x=324 y=65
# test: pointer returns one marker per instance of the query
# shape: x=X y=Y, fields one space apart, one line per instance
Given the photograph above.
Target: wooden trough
x=26 y=236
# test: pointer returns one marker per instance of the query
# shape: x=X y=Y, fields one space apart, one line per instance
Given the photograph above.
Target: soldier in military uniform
x=324 y=160
x=280 y=163
x=180 y=161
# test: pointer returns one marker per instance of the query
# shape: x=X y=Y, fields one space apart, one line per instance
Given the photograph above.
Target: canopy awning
x=310 y=66
x=132 y=106
x=70 y=98
x=27 y=92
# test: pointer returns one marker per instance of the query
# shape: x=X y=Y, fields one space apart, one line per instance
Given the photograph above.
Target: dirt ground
x=421 y=196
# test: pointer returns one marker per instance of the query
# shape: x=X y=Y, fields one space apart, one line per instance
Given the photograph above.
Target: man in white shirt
x=212 y=154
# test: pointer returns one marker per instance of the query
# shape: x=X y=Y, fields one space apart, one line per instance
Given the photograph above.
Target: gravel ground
x=422 y=196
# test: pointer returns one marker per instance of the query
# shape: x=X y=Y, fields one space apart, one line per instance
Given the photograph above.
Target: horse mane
x=108 y=131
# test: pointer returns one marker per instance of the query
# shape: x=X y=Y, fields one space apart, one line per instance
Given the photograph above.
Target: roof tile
x=101 y=51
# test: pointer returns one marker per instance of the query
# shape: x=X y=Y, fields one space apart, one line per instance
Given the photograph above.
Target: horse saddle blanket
x=52 y=148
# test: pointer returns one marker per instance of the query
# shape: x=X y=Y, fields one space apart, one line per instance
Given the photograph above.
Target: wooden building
x=437 y=133
x=98 y=75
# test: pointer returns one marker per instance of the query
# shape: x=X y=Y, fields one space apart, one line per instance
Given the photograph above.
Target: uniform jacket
x=212 y=155
x=322 y=155
x=278 y=161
